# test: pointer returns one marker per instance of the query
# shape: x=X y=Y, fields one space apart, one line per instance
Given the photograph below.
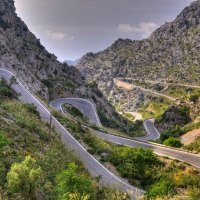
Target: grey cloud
x=70 y=28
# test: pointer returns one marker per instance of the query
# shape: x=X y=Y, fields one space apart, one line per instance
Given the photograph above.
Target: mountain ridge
x=22 y=53
x=163 y=51
x=171 y=53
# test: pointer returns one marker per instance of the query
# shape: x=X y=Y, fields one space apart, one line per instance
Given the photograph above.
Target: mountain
x=170 y=54
x=72 y=62
x=22 y=53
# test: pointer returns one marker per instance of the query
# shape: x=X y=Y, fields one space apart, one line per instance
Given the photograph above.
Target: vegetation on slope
x=34 y=164
x=73 y=111
x=155 y=107
x=160 y=177
x=184 y=93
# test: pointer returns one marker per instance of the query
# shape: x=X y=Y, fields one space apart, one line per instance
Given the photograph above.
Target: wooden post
x=50 y=124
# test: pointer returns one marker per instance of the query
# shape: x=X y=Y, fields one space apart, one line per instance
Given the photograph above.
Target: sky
x=72 y=28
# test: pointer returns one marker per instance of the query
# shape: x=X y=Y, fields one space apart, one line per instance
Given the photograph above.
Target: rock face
x=22 y=53
x=171 y=53
x=176 y=115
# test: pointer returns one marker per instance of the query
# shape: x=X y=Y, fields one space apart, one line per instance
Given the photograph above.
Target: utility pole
x=50 y=125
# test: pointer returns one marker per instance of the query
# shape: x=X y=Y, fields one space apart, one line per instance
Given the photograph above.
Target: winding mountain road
x=94 y=167
x=86 y=107
x=89 y=110
x=152 y=134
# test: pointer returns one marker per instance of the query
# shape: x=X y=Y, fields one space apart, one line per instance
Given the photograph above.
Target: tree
x=13 y=81
x=70 y=184
x=173 y=142
x=24 y=178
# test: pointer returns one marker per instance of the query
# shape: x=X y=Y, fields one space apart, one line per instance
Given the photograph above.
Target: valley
x=90 y=162
x=122 y=124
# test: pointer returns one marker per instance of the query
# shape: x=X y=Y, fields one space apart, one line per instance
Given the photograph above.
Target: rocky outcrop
x=22 y=53
x=171 y=53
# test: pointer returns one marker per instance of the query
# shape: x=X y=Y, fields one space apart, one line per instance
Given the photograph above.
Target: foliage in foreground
x=141 y=167
x=31 y=160
x=24 y=178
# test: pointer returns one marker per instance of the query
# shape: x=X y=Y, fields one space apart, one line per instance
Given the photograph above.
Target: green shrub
x=184 y=111
x=5 y=90
x=3 y=140
x=133 y=163
x=174 y=131
x=48 y=83
x=162 y=188
x=70 y=181
x=24 y=178
x=73 y=111
x=172 y=142
x=194 y=98
x=32 y=109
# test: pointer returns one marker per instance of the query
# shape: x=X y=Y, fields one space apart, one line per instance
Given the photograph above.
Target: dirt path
x=159 y=82
x=129 y=87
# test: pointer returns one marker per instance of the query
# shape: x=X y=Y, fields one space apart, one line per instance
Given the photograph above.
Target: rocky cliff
x=171 y=53
x=22 y=53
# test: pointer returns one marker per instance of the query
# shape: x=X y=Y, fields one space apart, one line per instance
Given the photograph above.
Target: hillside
x=34 y=164
x=22 y=53
x=170 y=54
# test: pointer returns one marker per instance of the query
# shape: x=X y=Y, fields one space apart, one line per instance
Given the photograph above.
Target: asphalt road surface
x=152 y=132
x=89 y=110
x=193 y=159
x=85 y=106
x=94 y=167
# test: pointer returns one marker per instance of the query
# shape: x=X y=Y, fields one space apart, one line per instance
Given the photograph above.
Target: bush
x=3 y=140
x=162 y=188
x=48 y=83
x=133 y=163
x=194 y=98
x=5 y=90
x=184 y=111
x=72 y=110
x=71 y=182
x=32 y=109
x=172 y=142
x=174 y=131
x=24 y=177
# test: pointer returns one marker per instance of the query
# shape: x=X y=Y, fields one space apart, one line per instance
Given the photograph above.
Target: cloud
x=71 y=37
x=59 y=35
x=143 y=28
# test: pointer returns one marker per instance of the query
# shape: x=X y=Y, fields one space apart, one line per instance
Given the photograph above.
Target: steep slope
x=33 y=160
x=22 y=53
x=171 y=54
